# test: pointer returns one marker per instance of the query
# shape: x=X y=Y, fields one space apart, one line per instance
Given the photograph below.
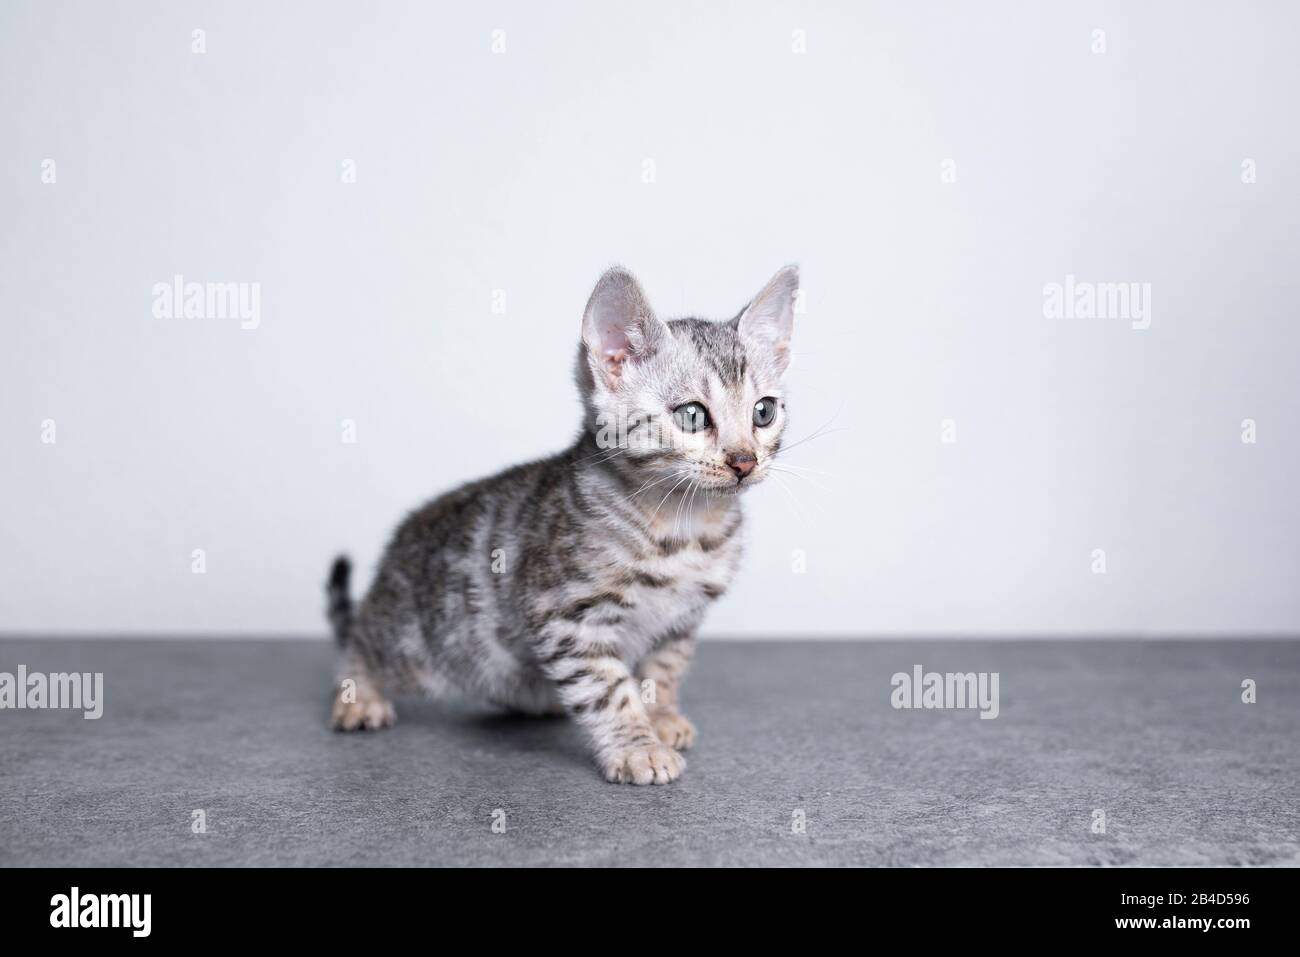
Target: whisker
x=665 y=498
x=815 y=435
x=653 y=482
x=681 y=505
x=607 y=453
x=817 y=485
x=793 y=500
x=803 y=468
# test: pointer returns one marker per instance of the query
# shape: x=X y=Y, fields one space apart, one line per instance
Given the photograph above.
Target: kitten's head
x=687 y=400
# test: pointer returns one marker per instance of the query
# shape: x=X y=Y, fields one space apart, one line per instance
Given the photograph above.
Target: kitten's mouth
x=737 y=486
x=713 y=484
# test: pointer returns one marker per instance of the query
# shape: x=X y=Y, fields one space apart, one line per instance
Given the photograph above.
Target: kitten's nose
x=741 y=463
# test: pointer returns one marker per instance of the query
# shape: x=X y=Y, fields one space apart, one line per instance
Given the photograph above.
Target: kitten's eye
x=764 y=411
x=692 y=417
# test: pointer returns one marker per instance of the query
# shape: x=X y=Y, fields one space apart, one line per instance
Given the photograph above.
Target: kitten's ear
x=619 y=326
x=768 y=321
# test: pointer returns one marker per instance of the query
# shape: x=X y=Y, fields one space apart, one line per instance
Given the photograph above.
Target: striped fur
x=575 y=583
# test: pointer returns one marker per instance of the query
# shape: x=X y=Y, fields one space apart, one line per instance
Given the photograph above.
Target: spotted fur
x=575 y=584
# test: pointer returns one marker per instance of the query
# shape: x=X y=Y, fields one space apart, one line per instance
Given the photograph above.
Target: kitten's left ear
x=768 y=321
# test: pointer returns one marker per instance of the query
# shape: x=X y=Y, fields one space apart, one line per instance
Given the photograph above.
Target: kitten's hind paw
x=365 y=713
x=650 y=764
x=673 y=729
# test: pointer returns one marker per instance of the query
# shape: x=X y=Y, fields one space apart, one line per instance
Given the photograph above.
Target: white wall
x=522 y=171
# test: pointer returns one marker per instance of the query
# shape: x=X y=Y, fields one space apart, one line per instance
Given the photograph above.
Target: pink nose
x=741 y=463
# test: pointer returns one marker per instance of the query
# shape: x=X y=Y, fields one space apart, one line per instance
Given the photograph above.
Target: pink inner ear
x=613 y=337
x=614 y=359
x=614 y=346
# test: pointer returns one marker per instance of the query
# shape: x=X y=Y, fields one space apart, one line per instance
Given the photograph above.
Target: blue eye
x=764 y=412
x=692 y=417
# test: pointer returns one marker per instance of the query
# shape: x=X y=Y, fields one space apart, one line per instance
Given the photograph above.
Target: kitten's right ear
x=619 y=326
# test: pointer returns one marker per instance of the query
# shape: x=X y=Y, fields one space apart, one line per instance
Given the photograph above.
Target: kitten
x=574 y=584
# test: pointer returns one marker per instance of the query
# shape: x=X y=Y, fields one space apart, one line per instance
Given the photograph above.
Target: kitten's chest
x=670 y=583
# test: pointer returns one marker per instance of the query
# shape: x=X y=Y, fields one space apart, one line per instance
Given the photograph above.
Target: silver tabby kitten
x=575 y=584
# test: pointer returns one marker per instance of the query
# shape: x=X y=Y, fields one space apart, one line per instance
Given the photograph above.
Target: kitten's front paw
x=673 y=729
x=366 y=713
x=650 y=764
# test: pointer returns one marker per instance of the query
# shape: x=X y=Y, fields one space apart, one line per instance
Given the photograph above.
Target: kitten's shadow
x=480 y=726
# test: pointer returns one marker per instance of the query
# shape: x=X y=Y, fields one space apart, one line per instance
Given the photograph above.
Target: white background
x=522 y=171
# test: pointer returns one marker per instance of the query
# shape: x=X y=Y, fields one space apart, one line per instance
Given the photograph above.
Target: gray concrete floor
x=1153 y=733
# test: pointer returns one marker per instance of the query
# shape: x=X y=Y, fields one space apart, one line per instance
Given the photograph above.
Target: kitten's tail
x=340 y=602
